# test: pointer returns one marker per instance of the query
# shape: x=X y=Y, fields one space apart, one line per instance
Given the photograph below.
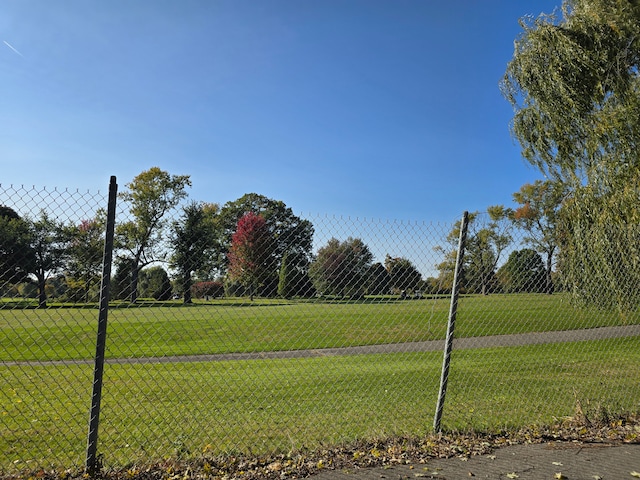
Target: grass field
x=231 y=326
x=151 y=411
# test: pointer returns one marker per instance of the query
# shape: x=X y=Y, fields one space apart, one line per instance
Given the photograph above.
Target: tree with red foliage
x=250 y=250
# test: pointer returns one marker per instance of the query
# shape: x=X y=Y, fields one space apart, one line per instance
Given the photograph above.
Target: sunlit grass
x=151 y=411
x=236 y=325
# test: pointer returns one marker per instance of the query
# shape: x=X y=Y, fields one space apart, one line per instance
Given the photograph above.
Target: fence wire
x=249 y=329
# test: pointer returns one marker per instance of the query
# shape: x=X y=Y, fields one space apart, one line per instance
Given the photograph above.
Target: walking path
x=599 y=333
x=555 y=460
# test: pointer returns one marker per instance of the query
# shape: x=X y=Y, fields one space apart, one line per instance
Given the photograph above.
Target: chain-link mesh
x=250 y=329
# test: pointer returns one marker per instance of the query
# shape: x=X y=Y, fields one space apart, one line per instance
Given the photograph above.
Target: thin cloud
x=12 y=48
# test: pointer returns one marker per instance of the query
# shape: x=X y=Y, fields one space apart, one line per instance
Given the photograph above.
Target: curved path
x=514 y=340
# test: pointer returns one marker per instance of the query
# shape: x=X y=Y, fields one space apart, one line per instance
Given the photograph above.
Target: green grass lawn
x=268 y=325
x=155 y=410
x=152 y=411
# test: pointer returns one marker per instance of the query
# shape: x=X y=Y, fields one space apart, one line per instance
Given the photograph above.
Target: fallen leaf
x=560 y=476
x=492 y=457
x=635 y=474
x=556 y=463
x=597 y=477
x=512 y=475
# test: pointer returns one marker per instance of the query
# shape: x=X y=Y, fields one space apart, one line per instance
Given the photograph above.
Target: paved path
x=557 y=460
x=514 y=340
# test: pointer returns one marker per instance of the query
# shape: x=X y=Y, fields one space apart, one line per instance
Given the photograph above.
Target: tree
x=290 y=234
x=14 y=246
x=524 y=271
x=538 y=214
x=193 y=243
x=574 y=84
x=85 y=248
x=47 y=252
x=485 y=244
x=378 y=280
x=155 y=283
x=403 y=274
x=151 y=195
x=250 y=252
x=341 y=268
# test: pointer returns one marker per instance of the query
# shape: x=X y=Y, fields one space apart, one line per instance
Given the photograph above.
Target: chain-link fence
x=248 y=329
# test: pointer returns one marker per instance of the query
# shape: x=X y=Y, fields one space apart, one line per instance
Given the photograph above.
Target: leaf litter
x=361 y=454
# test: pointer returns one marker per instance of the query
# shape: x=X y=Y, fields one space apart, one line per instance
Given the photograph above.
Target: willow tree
x=573 y=82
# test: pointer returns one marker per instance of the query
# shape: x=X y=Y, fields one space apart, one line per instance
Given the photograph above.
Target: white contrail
x=11 y=47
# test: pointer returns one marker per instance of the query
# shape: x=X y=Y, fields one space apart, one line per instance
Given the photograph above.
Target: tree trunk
x=134 y=284
x=549 y=280
x=42 y=294
x=186 y=287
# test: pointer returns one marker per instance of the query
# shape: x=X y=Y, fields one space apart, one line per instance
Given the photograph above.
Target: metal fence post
x=91 y=464
x=453 y=308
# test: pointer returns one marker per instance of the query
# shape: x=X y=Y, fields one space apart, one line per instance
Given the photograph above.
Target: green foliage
x=378 y=280
x=341 y=268
x=538 y=214
x=488 y=236
x=14 y=247
x=523 y=272
x=85 y=248
x=403 y=274
x=575 y=87
x=47 y=252
x=155 y=283
x=193 y=242
x=150 y=195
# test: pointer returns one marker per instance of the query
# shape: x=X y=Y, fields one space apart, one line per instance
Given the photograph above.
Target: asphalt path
x=491 y=341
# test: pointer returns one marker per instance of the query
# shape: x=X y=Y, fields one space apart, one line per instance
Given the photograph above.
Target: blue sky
x=366 y=108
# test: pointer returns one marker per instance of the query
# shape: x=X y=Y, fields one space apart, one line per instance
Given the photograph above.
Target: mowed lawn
x=270 y=325
x=157 y=410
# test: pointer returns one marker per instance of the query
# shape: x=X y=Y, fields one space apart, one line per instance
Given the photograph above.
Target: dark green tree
x=403 y=274
x=378 y=280
x=47 y=254
x=193 y=241
x=342 y=268
x=524 y=271
x=151 y=195
x=15 y=248
x=155 y=283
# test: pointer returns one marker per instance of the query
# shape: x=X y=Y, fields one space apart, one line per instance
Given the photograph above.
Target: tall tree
x=523 y=272
x=342 y=268
x=47 y=252
x=290 y=234
x=150 y=195
x=538 y=214
x=378 y=280
x=85 y=246
x=14 y=246
x=574 y=84
x=250 y=252
x=403 y=274
x=155 y=283
x=486 y=241
x=193 y=243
